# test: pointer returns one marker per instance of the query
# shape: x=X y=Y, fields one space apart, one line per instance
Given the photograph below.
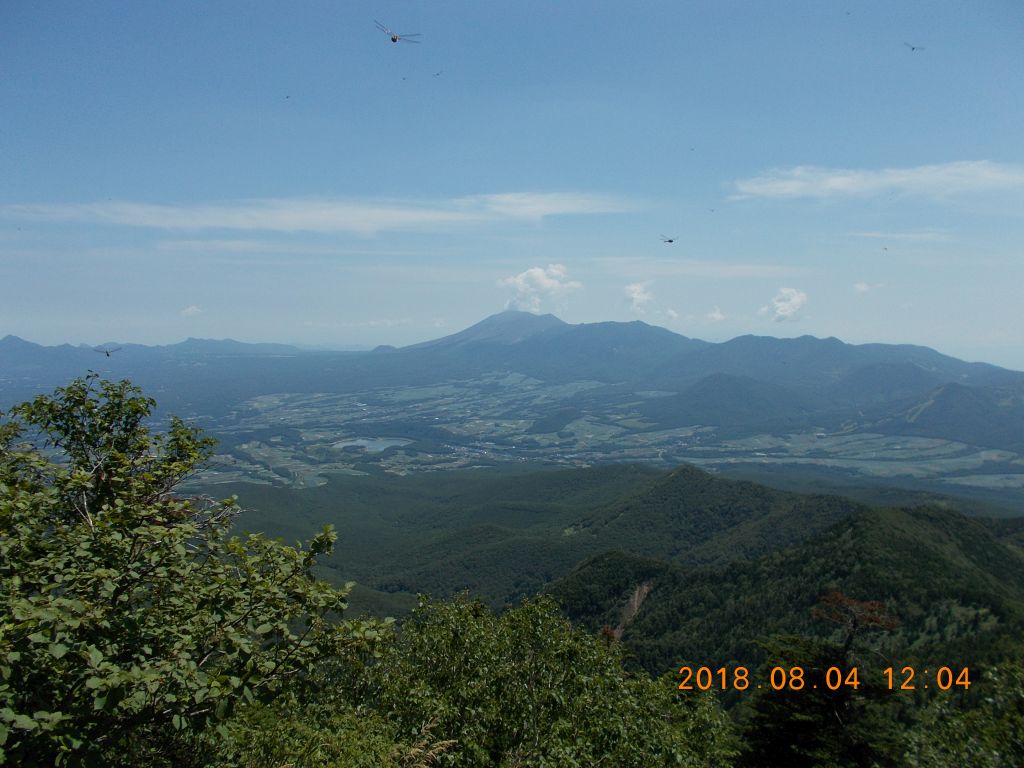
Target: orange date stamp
x=943 y=678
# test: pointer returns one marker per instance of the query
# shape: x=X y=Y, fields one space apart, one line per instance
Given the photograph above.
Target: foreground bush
x=527 y=689
x=989 y=734
x=129 y=621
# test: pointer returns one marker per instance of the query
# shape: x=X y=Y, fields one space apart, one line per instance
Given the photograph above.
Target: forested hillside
x=505 y=535
x=955 y=592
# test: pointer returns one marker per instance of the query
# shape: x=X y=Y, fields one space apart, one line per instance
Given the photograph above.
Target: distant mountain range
x=748 y=383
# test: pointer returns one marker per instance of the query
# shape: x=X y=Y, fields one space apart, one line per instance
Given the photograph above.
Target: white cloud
x=786 y=303
x=715 y=316
x=672 y=314
x=323 y=214
x=935 y=181
x=638 y=296
x=190 y=311
x=536 y=284
x=536 y=205
x=925 y=235
x=862 y=287
x=249 y=247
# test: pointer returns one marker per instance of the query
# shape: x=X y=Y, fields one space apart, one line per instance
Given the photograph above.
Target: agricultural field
x=299 y=440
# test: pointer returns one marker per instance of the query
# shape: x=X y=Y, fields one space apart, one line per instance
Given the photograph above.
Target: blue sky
x=283 y=172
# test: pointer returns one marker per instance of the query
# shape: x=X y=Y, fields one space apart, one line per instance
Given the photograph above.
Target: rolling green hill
x=994 y=415
x=731 y=561
x=731 y=566
x=506 y=534
x=955 y=588
x=690 y=516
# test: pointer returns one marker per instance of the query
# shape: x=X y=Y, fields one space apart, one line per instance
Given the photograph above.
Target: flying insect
x=395 y=36
x=667 y=239
x=107 y=352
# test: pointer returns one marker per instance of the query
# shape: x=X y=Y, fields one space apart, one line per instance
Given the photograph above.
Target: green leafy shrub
x=129 y=620
x=527 y=689
x=987 y=733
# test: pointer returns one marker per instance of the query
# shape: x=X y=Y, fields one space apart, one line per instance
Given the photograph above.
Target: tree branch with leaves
x=129 y=614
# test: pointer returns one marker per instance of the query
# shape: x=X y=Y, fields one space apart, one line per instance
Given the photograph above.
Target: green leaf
x=58 y=650
x=25 y=723
x=221 y=710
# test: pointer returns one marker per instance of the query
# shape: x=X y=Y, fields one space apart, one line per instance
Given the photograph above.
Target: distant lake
x=373 y=444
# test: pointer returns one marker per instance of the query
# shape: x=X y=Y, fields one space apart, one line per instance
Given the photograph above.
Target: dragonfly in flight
x=395 y=36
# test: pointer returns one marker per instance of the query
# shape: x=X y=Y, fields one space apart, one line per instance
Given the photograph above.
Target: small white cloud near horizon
x=935 y=181
x=785 y=304
x=673 y=315
x=715 y=315
x=861 y=287
x=639 y=297
x=190 y=311
x=536 y=284
x=925 y=235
